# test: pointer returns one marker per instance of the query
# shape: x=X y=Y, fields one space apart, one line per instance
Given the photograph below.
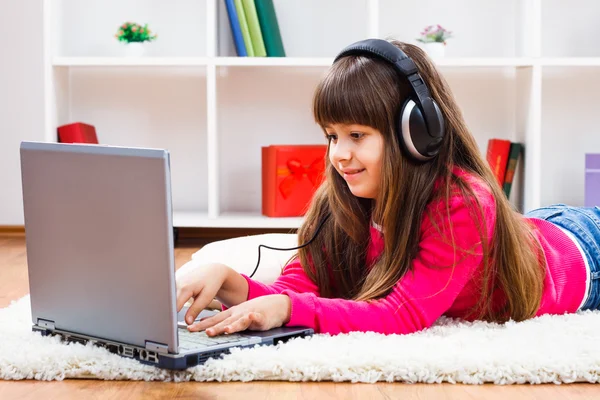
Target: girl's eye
x=356 y=135
x=331 y=137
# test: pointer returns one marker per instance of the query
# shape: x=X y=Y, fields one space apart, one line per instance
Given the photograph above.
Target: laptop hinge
x=44 y=323
x=158 y=347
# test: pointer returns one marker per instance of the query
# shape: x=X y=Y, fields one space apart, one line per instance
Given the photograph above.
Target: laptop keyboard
x=193 y=340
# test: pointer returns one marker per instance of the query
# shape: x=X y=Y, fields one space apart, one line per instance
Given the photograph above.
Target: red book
x=290 y=177
x=77 y=132
x=497 y=157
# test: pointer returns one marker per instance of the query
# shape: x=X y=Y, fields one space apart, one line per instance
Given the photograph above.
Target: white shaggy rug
x=548 y=349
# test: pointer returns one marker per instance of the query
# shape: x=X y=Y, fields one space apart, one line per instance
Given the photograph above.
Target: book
x=254 y=26
x=513 y=159
x=239 y=8
x=236 y=29
x=497 y=157
x=77 y=132
x=592 y=180
x=269 y=28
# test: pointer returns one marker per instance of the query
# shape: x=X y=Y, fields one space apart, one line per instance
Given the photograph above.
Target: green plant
x=434 y=33
x=131 y=32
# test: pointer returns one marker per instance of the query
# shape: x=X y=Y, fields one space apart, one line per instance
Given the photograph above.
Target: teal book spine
x=269 y=26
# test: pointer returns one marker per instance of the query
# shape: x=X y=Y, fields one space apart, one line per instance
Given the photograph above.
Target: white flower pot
x=435 y=49
x=135 y=49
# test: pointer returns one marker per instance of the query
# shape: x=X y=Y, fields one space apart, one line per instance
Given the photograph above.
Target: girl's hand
x=202 y=285
x=259 y=314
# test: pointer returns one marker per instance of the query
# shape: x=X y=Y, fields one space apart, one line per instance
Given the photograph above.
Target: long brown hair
x=367 y=91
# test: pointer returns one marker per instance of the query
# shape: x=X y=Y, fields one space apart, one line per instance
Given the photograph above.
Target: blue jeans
x=584 y=224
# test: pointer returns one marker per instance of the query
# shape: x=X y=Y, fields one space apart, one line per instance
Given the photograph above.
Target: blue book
x=236 y=30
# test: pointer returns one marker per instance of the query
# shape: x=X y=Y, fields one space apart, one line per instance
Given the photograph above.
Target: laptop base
x=166 y=360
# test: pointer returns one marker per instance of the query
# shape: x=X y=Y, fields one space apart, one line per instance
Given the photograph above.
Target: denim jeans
x=584 y=224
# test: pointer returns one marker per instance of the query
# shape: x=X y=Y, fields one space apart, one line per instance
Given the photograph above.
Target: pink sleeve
x=421 y=296
x=292 y=278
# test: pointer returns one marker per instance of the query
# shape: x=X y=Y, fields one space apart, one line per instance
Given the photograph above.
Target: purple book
x=592 y=180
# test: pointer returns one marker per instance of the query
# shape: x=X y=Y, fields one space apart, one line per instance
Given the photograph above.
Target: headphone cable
x=291 y=248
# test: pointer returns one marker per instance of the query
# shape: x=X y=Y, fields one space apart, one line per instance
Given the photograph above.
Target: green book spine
x=239 y=8
x=255 y=34
x=270 y=28
x=513 y=158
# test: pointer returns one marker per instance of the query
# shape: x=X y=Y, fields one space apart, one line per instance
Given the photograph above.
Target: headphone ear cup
x=413 y=134
x=412 y=131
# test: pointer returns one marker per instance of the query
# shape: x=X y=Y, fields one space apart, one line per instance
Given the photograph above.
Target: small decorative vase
x=435 y=49
x=135 y=49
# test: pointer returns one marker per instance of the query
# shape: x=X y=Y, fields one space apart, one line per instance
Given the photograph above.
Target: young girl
x=413 y=224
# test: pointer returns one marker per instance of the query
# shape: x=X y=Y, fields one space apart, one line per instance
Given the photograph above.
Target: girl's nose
x=340 y=152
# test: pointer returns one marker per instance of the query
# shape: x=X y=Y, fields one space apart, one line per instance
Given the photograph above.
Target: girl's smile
x=351 y=175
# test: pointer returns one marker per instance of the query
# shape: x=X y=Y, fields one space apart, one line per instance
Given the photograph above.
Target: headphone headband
x=407 y=69
x=382 y=49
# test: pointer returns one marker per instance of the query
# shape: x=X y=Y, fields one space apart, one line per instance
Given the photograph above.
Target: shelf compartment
x=309 y=28
x=88 y=28
x=142 y=108
x=264 y=107
x=484 y=28
x=569 y=105
x=578 y=32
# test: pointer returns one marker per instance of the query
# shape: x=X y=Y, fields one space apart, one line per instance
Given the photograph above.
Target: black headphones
x=420 y=124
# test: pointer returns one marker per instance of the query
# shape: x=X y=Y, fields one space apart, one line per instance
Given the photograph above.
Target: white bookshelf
x=313 y=61
x=524 y=70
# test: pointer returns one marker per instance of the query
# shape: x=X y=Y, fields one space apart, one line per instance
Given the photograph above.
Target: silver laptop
x=99 y=236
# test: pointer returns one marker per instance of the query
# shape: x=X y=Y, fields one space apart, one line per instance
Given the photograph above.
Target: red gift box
x=77 y=132
x=290 y=177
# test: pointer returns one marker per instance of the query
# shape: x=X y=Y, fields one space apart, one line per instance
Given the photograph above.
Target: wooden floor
x=14 y=284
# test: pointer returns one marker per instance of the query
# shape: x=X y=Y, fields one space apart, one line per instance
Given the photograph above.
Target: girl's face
x=356 y=152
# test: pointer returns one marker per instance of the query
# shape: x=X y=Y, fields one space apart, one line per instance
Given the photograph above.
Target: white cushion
x=241 y=254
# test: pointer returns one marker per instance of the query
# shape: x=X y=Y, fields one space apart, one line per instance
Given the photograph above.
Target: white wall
x=21 y=96
x=569 y=99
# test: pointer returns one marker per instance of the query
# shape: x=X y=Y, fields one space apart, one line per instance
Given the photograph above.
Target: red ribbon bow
x=295 y=171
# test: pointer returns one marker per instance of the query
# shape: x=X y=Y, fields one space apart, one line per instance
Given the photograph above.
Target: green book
x=239 y=8
x=255 y=34
x=513 y=158
x=270 y=28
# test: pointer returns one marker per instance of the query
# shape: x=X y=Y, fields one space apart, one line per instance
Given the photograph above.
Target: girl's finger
x=210 y=321
x=202 y=300
x=240 y=325
x=257 y=321
x=227 y=326
x=183 y=296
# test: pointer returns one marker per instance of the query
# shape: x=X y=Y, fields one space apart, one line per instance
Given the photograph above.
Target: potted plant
x=434 y=39
x=134 y=36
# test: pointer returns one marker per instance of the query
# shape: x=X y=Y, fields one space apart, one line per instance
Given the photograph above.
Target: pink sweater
x=422 y=296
